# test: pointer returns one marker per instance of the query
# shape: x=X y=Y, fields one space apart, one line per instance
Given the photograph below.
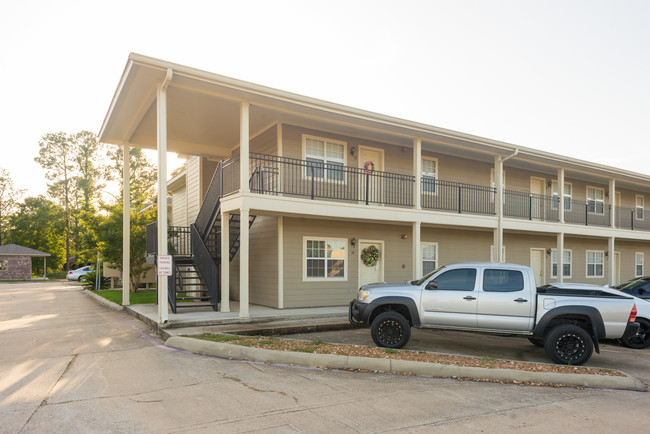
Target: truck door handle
x=469 y=297
x=520 y=300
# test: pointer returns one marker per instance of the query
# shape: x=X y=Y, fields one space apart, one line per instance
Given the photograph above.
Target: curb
x=101 y=300
x=332 y=361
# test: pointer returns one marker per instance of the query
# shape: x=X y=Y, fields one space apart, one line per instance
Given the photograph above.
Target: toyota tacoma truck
x=501 y=299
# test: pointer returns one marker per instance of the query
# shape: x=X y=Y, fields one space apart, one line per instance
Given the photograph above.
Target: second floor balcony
x=284 y=176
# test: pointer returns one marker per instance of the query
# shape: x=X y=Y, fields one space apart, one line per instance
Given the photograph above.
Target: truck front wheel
x=568 y=344
x=390 y=330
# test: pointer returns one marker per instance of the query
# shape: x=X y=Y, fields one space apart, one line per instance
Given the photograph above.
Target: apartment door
x=371 y=274
x=617 y=268
x=371 y=186
x=538 y=266
x=537 y=190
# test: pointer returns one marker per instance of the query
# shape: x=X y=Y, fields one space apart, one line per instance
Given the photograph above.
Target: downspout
x=498 y=242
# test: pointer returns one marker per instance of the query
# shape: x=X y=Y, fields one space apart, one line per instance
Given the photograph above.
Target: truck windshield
x=426 y=276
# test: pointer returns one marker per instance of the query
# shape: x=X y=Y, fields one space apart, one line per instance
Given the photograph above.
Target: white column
x=560 y=193
x=243 y=263
x=498 y=208
x=611 y=247
x=417 y=167
x=163 y=305
x=612 y=202
x=417 y=251
x=225 y=262
x=44 y=267
x=560 y=257
x=278 y=139
x=126 y=225
x=244 y=148
x=280 y=262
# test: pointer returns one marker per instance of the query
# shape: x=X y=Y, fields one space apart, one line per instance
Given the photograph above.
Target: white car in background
x=75 y=275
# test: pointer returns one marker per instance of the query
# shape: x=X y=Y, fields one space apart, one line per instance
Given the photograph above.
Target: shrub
x=88 y=281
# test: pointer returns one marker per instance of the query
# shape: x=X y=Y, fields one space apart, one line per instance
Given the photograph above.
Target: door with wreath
x=371 y=262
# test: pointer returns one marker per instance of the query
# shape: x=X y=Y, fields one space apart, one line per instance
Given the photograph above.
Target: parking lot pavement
x=612 y=355
x=68 y=364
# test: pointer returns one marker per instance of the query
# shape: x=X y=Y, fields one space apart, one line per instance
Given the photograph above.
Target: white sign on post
x=165 y=265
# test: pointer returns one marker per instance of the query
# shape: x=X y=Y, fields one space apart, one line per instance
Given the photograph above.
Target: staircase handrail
x=210 y=207
x=205 y=265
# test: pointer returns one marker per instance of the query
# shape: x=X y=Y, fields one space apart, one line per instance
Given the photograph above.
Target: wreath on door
x=370 y=256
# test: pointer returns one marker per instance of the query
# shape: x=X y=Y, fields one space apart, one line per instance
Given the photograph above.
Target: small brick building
x=16 y=262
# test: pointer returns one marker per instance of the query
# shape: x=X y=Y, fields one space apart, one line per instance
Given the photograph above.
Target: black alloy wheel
x=390 y=330
x=568 y=344
x=642 y=337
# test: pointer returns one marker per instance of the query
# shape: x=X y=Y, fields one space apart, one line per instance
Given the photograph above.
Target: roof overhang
x=203 y=119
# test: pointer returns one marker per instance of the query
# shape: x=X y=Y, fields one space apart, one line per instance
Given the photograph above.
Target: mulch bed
x=319 y=347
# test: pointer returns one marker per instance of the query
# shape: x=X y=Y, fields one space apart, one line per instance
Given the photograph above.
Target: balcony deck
x=290 y=177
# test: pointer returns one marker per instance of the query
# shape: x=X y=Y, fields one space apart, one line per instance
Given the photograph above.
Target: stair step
x=193 y=305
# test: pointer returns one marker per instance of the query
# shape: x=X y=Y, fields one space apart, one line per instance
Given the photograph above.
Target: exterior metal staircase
x=196 y=251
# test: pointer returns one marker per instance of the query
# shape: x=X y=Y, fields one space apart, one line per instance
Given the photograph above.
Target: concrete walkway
x=69 y=364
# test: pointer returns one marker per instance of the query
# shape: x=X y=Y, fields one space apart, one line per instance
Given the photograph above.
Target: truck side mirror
x=432 y=285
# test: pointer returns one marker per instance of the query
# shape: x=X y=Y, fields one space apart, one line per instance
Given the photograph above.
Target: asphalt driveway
x=68 y=364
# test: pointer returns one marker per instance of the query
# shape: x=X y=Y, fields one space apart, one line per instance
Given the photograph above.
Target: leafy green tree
x=38 y=224
x=109 y=233
x=9 y=197
x=57 y=155
x=89 y=168
x=143 y=175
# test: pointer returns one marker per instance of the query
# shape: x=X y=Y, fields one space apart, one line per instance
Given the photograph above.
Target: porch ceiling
x=203 y=119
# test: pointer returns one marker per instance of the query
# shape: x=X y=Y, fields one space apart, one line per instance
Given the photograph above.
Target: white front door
x=537 y=190
x=371 y=186
x=371 y=274
x=537 y=264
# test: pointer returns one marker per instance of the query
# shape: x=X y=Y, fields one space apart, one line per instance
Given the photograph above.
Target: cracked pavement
x=68 y=364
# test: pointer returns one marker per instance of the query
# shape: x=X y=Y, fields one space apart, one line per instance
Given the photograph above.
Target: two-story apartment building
x=336 y=197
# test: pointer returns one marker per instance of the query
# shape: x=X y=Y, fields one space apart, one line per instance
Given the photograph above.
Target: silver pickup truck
x=500 y=299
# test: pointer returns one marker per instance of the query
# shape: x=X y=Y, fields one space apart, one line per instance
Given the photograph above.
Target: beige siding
x=628 y=252
x=458 y=245
x=207 y=171
x=303 y=293
x=458 y=169
x=263 y=280
x=193 y=182
x=265 y=142
x=179 y=207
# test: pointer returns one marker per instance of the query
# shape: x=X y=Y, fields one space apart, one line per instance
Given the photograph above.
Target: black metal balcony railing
x=317 y=180
x=457 y=197
x=178 y=240
x=632 y=218
x=275 y=175
x=531 y=206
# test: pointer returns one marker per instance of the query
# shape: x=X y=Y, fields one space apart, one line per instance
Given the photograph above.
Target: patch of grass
x=318 y=342
x=304 y=349
x=218 y=338
x=140 y=297
x=391 y=351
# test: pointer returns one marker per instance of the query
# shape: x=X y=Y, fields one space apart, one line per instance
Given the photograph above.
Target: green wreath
x=370 y=256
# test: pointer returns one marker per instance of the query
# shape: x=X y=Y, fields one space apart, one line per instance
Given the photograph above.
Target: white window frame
x=638 y=208
x=637 y=256
x=595 y=201
x=305 y=172
x=555 y=188
x=430 y=175
x=436 y=261
x=602 y=264
x=324 y=278
x=570 y=263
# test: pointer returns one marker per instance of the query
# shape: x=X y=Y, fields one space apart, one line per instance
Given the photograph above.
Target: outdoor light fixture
x=353 y=150
x=353 y=242
x=548 y=251
x=404 y=236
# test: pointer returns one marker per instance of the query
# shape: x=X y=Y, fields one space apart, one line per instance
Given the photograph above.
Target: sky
x=568 y=77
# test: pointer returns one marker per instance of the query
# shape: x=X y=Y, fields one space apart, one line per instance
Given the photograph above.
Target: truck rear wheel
x=568 y=344
x=390 y=330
